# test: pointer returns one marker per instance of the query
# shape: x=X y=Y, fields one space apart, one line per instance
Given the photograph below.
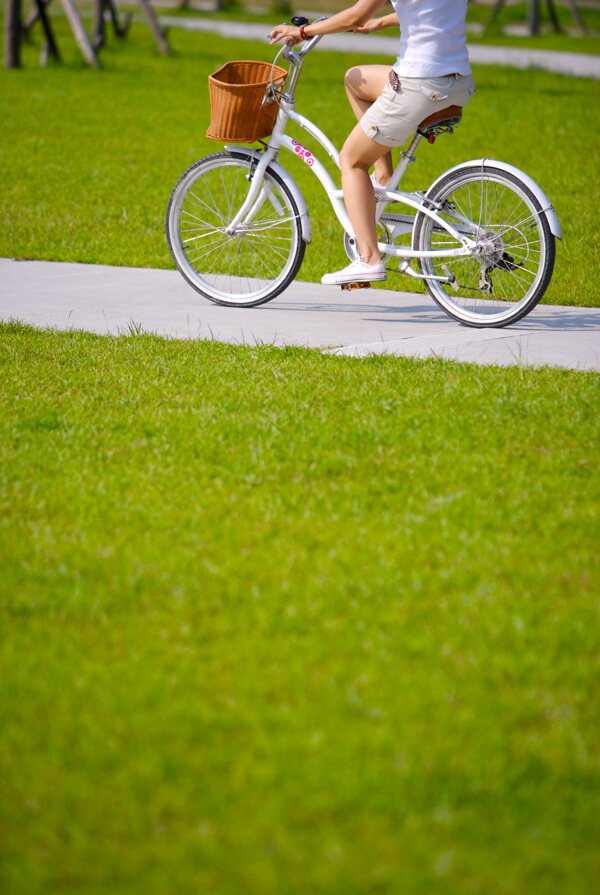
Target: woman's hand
x=289 y=33
x=389 y=21
x=368 y=27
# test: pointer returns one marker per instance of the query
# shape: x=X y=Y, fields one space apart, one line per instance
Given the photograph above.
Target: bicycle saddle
x=435 y=123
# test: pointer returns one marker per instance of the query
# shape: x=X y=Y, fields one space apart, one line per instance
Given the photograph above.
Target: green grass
x=280 y=622
x=92 y=156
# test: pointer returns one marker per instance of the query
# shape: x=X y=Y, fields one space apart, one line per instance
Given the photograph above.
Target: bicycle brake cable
x=272 y=90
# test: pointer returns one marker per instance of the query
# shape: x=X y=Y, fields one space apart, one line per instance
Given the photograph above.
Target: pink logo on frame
x=306 y=156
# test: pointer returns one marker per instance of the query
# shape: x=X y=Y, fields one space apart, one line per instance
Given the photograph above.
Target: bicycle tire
x=255 y=264
x=511 y=267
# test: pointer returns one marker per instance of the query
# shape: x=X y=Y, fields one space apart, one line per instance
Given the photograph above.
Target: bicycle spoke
x=212 y=209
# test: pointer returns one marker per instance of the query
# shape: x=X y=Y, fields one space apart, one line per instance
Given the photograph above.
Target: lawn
x=92 y=156
x=282 y=622
x=274 y=622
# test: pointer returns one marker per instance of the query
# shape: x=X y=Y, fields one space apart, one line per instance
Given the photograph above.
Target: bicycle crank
x=349 y=286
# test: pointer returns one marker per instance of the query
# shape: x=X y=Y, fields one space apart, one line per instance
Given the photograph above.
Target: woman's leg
x=363 y=85
x=358 y=153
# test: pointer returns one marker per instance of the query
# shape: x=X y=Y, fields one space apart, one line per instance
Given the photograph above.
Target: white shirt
x=432 y=38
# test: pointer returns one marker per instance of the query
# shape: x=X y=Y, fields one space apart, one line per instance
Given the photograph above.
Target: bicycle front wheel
x=511 y=265
x=255 y=263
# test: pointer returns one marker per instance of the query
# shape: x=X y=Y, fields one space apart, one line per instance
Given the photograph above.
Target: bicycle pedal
x=349 y=286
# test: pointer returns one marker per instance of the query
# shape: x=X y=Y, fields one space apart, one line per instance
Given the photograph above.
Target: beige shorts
x=395 y=115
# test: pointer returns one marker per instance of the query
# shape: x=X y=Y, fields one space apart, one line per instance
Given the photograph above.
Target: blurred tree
x=98 y=30
x=14 y=29
x=12 y=34
x=533 y=15
x=281 y=8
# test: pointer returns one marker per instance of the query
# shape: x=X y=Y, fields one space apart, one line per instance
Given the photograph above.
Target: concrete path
x=580 y=64
x=368 y=321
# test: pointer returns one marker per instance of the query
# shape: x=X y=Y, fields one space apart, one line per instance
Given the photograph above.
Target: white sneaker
x=357 y=272
x=376 y=184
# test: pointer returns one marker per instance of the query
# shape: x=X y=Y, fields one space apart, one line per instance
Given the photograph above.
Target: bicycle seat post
x=407 y=156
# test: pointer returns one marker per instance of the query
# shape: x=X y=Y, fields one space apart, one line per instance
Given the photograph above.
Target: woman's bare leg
x=363 y=85
x=358 y=153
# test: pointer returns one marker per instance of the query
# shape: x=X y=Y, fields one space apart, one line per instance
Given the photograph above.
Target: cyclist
x=431 y=72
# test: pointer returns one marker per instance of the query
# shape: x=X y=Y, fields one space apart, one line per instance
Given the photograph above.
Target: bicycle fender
x=305 y=225
x=537 y=191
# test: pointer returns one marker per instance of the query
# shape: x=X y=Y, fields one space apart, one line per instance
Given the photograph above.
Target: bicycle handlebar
x=309 y=44
x=295 y=58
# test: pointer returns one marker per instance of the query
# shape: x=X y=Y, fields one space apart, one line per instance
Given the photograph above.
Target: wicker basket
x=237 y=90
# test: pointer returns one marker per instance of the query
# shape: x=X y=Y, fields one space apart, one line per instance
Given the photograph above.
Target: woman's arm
x=377 y=24
x=346 y=20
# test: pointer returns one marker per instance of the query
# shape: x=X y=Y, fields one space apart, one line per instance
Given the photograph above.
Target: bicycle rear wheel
x=250 y=266
x=511 y=266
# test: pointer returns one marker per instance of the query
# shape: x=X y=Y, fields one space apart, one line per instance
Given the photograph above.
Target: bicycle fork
x=257 y=194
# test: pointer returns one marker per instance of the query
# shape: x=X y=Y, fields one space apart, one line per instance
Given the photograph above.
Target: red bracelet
x=302 y=34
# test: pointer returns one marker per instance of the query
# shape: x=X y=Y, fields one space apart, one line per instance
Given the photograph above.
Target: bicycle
x=483 y=234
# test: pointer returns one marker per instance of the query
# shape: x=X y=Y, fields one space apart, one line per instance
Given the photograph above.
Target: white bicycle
x=483 y=234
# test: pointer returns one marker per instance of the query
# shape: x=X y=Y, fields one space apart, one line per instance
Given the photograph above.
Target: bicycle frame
x=279 y=139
